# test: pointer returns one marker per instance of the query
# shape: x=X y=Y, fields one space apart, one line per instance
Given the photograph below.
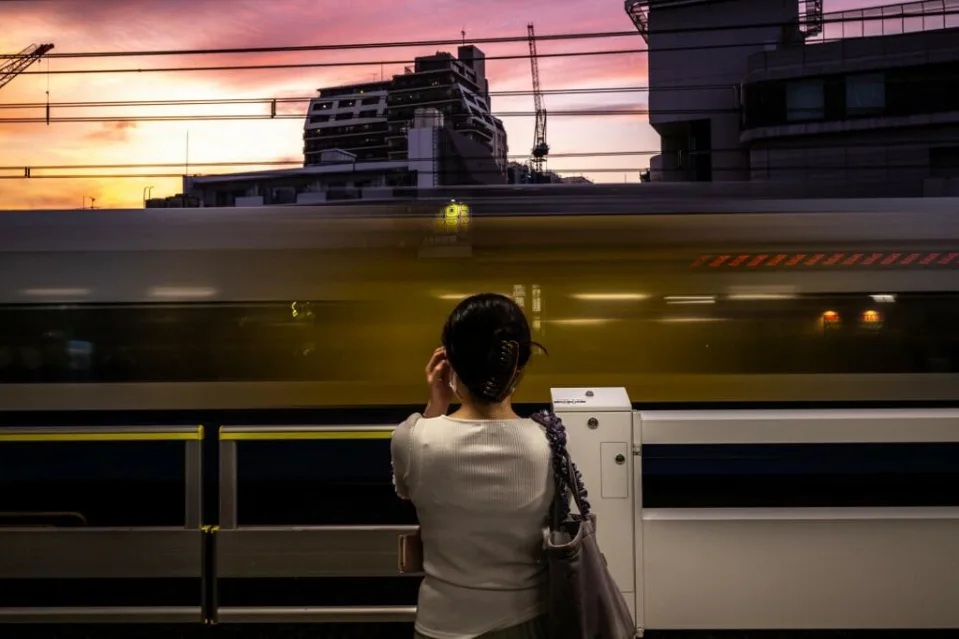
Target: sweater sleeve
x=401 y=454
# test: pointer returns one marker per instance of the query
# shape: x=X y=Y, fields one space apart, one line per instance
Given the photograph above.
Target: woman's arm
x=401 y=455
x=438 y=379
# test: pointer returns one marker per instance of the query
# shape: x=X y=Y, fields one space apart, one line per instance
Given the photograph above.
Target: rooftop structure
x=778 y=90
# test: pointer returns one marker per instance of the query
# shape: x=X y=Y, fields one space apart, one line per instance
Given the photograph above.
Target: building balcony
x=638 y=12
x=891 y=19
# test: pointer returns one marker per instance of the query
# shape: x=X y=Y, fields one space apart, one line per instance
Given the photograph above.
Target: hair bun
x=488 y=343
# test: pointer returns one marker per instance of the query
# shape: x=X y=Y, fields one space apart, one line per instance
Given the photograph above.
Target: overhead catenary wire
x=409 y=44
x=837 y=17
x=319 y=65
x=286 y=100
x=788 y=170
x=866 y=144
x=299 y=99
x=349 y=167
x=226 y=117
x=296 y=162
x=91 y=176
x=299 y=116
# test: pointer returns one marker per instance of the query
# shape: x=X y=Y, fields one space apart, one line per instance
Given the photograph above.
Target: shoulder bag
x=584 y=601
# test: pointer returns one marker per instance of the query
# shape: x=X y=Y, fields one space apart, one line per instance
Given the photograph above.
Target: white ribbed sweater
x=482 y=491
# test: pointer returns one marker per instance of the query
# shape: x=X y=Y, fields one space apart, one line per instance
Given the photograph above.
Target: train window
x=740 y=335
x=335 y=341
x=174 y=342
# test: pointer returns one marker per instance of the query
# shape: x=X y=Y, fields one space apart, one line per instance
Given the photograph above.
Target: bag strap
x=566 y=476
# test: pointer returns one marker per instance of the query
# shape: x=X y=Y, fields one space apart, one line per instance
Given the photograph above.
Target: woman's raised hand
x=438 y=373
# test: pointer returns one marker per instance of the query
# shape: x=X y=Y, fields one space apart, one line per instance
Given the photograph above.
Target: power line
x=839 y=172
x=406 y=44
x=300 y=99
x=268 y=101
x=838 y=17
x=299 y=116
x=578 y=154
x=94 y=176
x=180 y=176
x=584 y=112
x=328 y=65
x=298 y=162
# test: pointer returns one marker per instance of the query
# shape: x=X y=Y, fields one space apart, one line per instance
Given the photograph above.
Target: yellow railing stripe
x=104 y=435
x=277 y=435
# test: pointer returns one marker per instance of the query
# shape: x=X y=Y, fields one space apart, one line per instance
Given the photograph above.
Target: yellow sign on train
x=454 y=218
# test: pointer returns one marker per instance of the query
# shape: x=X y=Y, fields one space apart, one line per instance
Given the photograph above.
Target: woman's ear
x=453 y=383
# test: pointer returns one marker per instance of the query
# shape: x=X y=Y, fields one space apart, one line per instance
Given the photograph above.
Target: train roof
x=531 y=221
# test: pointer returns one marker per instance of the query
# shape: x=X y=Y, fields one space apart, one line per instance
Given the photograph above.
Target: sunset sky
x=101 y=25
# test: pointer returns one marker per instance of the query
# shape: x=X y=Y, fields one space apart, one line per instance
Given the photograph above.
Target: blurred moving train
x=325 y=316
x=682 y=301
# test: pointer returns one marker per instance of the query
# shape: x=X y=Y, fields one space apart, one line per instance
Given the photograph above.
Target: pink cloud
x=112 y=132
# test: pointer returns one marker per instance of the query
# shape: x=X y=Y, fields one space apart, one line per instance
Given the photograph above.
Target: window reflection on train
x=381 y=342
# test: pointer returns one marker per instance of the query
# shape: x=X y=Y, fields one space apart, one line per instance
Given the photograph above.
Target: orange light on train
x=830 y=321
x=872 y=318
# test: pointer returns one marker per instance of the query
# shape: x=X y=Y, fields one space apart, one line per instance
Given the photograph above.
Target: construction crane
x=16 y=64
x=540 y=147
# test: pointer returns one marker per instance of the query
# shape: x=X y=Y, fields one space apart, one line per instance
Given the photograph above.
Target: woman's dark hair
x=487 y=342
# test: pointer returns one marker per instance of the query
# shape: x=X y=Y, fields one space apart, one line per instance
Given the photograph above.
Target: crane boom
x=540 y=147
x=16 y=64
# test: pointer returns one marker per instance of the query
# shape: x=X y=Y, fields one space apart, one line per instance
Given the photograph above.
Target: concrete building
x=349 y=118
x=771 y=91
x=371 y=120
x=334 y=176
x=881 y=109
x=457 y=88
x=698 y=52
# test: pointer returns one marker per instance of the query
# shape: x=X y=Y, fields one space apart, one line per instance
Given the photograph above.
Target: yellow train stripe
x=104 y=435
x=278 y=435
